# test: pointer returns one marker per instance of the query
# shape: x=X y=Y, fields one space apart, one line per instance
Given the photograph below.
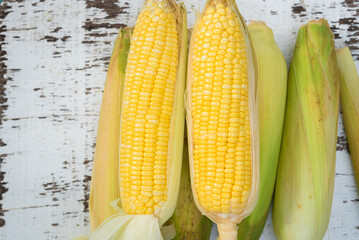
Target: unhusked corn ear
x=189 y=222
x=349 y=99
x=105 y=173
x=222 y=118
x=271 y=94
x=305 y=177
x=151 y=124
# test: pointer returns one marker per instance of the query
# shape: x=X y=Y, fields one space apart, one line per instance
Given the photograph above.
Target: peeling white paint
x=54 y=98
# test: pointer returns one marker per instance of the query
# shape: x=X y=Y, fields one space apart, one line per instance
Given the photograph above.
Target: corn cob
x=222 y=125
x=305 y=178
x=190 y=224
x=271 y=92
x=349 y=98
x=151 y=124
x=105 y=174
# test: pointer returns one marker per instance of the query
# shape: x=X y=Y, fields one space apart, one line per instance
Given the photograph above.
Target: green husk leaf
x=190 y=224
x=349 y=99
x=305 y=178
x=250 y=229
x=271 y=95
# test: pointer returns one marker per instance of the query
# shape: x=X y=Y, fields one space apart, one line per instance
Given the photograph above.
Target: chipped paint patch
x=50 y=38
x=351 y=23
x=299 y=9
x=342 y=144
x=112 y=10
x=110 y=7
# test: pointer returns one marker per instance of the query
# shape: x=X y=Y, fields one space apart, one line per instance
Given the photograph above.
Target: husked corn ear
x=221 y=117
x=221 y=131
x=305 y=178
x=271 y=95
x=105 y=173
x=349 y=99
x=148 y=103
x=151 y=125
x=189 y=222
x=149 y=111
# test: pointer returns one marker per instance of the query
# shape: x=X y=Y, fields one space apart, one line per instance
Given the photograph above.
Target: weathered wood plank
x=53 y=62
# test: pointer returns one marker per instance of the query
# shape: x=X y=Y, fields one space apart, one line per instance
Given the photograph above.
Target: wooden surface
x=53 y=61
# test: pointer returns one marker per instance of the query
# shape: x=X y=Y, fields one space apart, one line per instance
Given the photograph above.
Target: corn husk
x=271 y=95
x=305 y=178
x=190 y=224
x=104 y=182
x=349 y=99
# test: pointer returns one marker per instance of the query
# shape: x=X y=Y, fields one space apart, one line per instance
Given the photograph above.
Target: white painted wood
x=56 y=59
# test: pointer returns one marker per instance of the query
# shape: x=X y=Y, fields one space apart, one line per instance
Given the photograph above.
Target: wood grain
x=53 y=62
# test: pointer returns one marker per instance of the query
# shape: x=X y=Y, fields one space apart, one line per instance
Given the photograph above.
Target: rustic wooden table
x=54 y=57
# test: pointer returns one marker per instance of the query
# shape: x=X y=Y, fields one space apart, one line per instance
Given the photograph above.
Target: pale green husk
x=349 y=100
x=305 y=178
x=104 y=182
x=127 y=227
x=271 y=94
